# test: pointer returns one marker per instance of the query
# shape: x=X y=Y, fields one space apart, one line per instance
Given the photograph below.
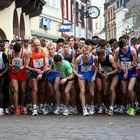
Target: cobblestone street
x=74 y=127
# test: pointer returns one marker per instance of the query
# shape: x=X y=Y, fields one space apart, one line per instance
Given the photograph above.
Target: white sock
x=111 y=107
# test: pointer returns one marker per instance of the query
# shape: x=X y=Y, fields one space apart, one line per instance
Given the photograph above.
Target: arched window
x=22 y=26
x=15 y=24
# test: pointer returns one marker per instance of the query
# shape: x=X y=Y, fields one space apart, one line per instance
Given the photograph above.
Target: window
x=118 y=4
x=77 y=14
x=82 y=18
x=90 y=24
x=121 y=3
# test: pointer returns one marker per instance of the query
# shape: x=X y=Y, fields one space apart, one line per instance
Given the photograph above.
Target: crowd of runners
x=92 y=76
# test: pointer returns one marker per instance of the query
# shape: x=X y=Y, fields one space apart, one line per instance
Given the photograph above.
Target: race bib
x=17 y=62
x=38 y=63
x=126 y=64
x=86 y=68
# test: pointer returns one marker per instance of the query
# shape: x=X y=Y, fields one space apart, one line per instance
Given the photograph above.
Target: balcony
x=5 y=3
x=34 y=7
x=21 y=3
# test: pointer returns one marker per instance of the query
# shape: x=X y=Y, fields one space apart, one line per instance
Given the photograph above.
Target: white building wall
x=6 y=23
x=121 y=22
x=54 y=13
x=98 y=23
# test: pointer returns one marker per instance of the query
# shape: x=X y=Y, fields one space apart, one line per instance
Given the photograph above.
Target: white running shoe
x=44 y=111
x=35 y=112
x=57 y=110
x=73 y=110
x=85 y=112
x=100 y=111
x=122 y=109
x=1 y=111
x=92 y=110
x=7 y=111
x=66 y=111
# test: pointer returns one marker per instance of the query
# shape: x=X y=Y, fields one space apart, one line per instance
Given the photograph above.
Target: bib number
x=38 y=63
x=86 y=68
x=126 y=64
x=17 y=62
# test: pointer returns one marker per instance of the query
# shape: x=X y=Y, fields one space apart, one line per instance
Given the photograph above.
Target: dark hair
x=95 y=37
x=43 y=42
x=76 y=46
x=125 y=36
x=88 y=41
x=60 y=40
x=102 y=42
x=112 y=40
x=122 y=43
x=134 y=41
x=17 y=47
x=71 y=37
x=57 y=58
x=82 y=38
x=91 y=42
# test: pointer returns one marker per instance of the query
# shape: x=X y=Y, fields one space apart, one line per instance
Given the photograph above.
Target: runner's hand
x=125 y=75
x=47 y=69
x=93 y=79
x=62 y=82
x=39 y=77
x=38 y=71
x=105 y=75
x=80 y=76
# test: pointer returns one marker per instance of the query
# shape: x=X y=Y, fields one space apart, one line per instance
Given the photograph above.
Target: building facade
x=110 y=19
x=99 y=23
x=127 y=17
x=47 y=24
x=73 y=13
x=15 y=16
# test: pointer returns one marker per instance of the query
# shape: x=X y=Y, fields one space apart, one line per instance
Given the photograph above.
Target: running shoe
x=85 y=112
x=100 y=111
x=17 y=112
x=122 y=109
x=66 y=111
x=1 y=111
x=35 y=112
x=132 y=112
x=44 y=111
x=110 y=112
x=22 y=110
x=57 y=110
x=73 y=110
x=92 y=110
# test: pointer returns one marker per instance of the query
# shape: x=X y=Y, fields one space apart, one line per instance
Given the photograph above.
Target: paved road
x=74 y=127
